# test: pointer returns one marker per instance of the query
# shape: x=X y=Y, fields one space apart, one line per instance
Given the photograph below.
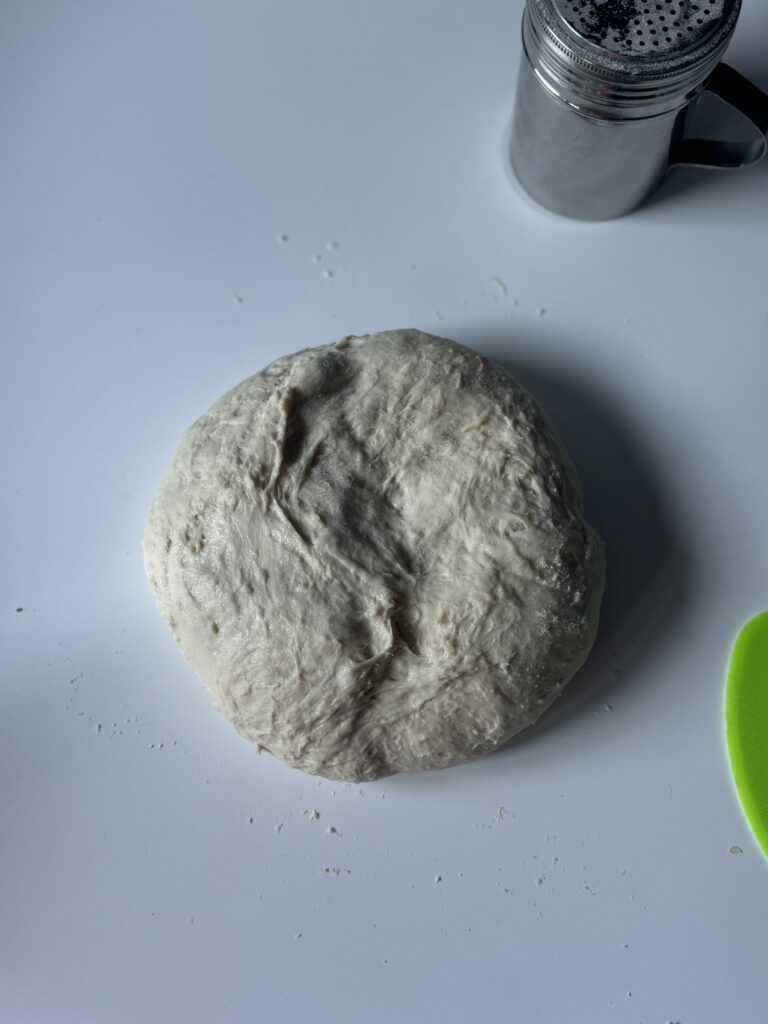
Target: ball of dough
x=373 y=555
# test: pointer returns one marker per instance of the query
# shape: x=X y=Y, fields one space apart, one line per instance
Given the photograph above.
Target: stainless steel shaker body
x=605 y=91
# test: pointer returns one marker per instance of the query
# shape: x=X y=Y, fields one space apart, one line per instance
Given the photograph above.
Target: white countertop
x=152 y=867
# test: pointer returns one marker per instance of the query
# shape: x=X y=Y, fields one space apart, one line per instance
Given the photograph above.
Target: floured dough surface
x=373 y=555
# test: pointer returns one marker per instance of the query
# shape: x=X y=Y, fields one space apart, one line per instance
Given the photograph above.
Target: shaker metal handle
x=745 y=97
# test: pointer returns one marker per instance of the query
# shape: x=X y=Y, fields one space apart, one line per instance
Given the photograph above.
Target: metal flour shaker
x=605 y=91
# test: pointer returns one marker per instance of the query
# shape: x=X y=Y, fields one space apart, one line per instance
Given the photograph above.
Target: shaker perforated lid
x=627 y=53
x=645 y=28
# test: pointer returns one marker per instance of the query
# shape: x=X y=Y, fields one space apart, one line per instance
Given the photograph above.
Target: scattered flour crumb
x=500 y=815
x=736 y=849
x=331 y=246
x=336 y=871
x=327 y=274
x=278 y=826
x=332 y=831
x=282 y=239
x=500 y=285
x=438 y=879
x=541 y=312
x=238 y=300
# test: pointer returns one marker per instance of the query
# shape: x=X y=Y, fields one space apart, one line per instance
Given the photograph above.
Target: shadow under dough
x=647 y=565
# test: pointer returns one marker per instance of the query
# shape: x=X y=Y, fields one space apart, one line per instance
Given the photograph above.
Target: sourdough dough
x=373 y=555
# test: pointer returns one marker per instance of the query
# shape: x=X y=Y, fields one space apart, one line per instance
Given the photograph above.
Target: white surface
x=152 y=155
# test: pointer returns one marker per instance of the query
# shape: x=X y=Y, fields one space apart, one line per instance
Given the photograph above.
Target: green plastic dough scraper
x=746 y=715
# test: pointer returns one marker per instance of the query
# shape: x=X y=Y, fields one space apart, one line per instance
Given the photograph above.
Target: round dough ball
x=373 y=555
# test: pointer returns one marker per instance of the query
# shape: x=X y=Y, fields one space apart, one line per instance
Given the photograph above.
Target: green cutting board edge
x=746 y=716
